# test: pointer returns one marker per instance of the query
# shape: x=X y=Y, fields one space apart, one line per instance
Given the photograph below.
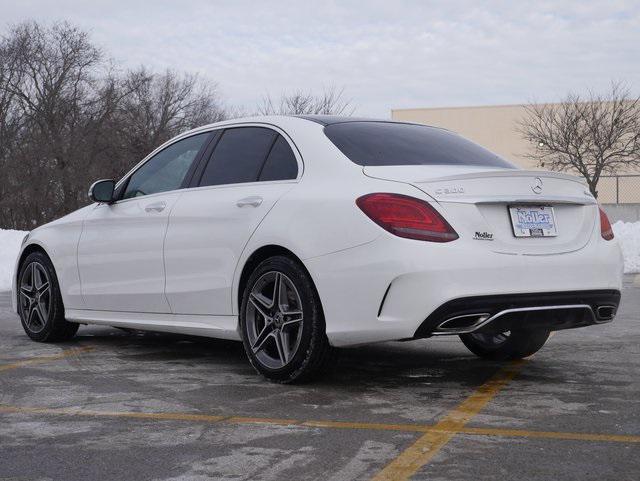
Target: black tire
x=50 y=325
x=312 y=349
x=516 y=345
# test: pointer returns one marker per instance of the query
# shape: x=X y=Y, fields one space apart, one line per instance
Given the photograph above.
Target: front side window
x=389 y=143
x=167 y=169
x=238 y=156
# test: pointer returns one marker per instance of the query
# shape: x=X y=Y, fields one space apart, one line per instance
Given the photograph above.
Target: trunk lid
x=476 y=203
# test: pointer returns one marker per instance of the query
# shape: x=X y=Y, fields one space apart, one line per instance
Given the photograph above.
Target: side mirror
x=102 y=191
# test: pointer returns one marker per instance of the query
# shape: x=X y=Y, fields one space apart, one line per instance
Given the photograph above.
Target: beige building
x=496 y=128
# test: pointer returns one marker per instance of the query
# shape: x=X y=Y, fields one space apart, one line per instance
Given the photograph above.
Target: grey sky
x=386 y=54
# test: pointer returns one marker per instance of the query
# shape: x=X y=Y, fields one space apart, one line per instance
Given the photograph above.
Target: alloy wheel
x=35 y=297
x=274 y=319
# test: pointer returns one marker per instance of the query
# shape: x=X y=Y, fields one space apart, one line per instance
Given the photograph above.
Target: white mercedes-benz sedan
x=297 y=234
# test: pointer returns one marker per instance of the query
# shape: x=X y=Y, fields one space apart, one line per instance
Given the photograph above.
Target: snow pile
x=628 y=235
x=10 y=242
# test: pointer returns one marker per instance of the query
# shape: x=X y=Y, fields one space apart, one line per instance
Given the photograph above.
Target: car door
x=120 y=257
x=249 y=169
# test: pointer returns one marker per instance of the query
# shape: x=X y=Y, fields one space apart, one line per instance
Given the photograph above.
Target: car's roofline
x=324 y=120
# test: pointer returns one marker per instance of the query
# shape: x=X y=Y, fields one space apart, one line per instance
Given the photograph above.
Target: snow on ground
x=10 y=241
x=627 y=233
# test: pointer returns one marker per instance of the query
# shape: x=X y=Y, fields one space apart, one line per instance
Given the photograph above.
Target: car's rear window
x=388 y=143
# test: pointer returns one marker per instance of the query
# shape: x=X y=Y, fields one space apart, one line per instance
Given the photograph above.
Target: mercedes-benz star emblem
x=536 y=186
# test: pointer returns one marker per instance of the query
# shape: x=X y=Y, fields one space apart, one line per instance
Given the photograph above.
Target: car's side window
x=167 y=169
x=238 y=156
x=281 y=163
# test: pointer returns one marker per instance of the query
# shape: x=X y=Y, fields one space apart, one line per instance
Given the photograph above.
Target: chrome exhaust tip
x=463 y=323
x=606 y=312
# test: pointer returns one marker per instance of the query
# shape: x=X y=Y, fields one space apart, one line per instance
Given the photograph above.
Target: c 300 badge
x=450 y=190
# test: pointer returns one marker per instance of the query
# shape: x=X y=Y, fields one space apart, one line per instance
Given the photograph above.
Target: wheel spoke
x=27 y=315
x=32 y=314
x=25 y=302
x=283 y=347
x=277 y=291
x=33 y=276
x=41 y=318
x=294 y=320
x=257 y=300
x=43 y=288
x=43 y=310
x=26 y=292
x=265 y=334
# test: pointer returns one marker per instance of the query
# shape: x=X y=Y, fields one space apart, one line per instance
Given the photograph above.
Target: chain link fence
x=619 y=189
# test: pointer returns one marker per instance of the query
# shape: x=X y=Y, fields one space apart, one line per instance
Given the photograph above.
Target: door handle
x=157 y=207
x=253 y=201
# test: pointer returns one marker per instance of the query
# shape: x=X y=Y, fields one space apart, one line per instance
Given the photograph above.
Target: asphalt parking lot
x=132 y=406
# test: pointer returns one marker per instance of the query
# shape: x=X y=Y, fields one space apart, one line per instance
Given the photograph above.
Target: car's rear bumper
x=500 y=313
x=386 y=289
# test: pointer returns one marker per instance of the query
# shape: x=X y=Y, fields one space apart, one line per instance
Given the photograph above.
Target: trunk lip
x=517 y=173
x=521 y=200
x=585 y=198
x=370 y=171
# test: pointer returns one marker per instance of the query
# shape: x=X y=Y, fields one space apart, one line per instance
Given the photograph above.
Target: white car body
x=173 y=261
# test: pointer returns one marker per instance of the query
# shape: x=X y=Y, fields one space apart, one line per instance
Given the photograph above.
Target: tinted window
x=239 y=156
x=387 y=143
x=281 y=163
x=166 y=170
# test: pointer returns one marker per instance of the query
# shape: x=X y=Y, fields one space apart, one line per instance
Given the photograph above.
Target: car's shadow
x=386 y=364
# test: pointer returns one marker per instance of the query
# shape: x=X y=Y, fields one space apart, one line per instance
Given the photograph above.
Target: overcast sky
x=386 y=54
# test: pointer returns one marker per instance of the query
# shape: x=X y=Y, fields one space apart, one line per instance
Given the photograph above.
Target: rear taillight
x=605 y=226
x=407 y=217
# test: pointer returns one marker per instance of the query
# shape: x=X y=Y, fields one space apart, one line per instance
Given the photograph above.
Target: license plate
x=533 y=221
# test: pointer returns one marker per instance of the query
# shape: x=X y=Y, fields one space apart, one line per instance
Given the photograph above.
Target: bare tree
x=51 y=82
x=67 y=117
x=329 y=102
x=590 y=136
x=10 y=122
x=161 y=106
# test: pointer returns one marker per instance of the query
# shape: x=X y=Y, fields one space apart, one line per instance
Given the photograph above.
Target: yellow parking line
x=42 y=359
x=373 y=426
x=250 y=420
x=428 y=445
x=484 y=431
x=616 y=438
x=116 y=414
x=418 y=428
